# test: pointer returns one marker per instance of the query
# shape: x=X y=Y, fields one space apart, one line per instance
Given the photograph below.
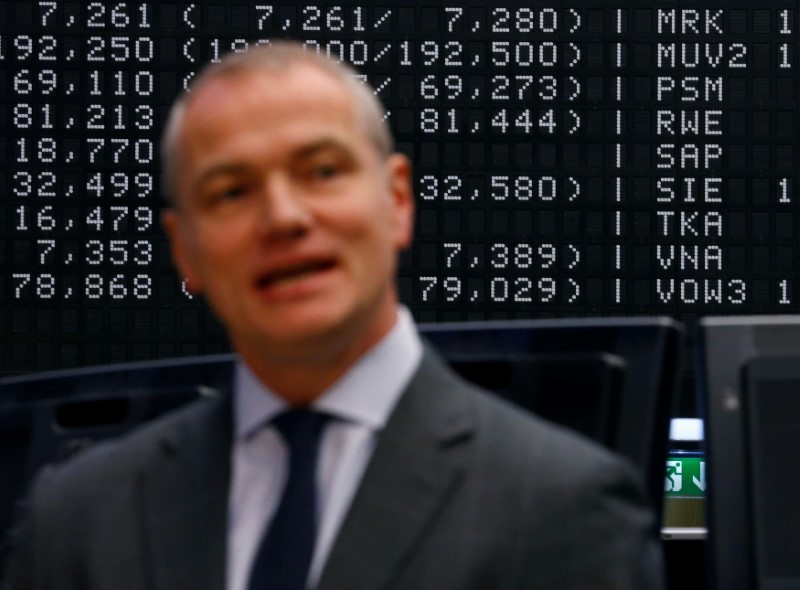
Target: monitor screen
x=771 y=387
x=612 y=379
x=581 y=159
x=581 y=390
x=47 y=417
x=749 y=386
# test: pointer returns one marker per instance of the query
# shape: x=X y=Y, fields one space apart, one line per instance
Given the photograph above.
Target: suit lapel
x=185 y=502
x=417 y=464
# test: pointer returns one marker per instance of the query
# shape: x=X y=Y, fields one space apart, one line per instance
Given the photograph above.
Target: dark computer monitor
x=749 y=388
x=540 y=383
x=611 y=378
x=47 y=417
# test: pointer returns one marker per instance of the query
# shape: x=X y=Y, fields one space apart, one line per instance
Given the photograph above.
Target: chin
x=299 y=326
x=318 y=323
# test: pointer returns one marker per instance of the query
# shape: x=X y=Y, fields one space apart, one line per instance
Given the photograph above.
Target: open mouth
x=293 y=273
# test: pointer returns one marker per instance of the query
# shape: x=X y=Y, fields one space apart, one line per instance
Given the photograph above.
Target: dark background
x=561 y=155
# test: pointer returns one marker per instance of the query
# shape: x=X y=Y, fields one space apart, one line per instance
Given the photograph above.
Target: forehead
x=252 y=119
x=269 y=99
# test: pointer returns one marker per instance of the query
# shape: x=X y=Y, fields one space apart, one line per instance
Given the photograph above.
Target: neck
x=298 y=384
x=302 y=377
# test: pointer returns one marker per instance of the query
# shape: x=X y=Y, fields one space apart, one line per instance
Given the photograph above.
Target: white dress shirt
x=360 y=402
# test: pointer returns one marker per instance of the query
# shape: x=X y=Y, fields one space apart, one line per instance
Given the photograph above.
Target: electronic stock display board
x=571 y=159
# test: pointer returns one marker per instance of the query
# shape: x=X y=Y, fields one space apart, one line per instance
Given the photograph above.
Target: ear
x=399 y=176
x=175 y=227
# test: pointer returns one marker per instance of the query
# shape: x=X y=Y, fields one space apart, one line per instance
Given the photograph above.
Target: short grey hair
x=275 y=57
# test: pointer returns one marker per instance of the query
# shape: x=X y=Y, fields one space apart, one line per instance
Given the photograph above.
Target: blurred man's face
x=288 y=219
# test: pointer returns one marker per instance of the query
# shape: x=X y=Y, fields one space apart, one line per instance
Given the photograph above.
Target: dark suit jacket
x=463 y=492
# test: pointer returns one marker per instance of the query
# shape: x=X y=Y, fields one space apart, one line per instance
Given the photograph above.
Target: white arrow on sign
x=701 y=483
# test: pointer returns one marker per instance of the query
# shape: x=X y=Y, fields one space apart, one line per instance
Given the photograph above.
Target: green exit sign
x=686 y=477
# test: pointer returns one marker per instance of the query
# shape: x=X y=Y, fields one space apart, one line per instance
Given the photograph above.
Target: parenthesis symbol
x=186 y=13
x=188 y=43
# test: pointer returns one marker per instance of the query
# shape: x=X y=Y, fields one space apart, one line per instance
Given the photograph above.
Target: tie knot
x=300 y=427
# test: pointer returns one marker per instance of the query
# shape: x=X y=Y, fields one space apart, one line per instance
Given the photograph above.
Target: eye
x=223 y=195
x=323 y=166
x=231 y=192
x=326 y=171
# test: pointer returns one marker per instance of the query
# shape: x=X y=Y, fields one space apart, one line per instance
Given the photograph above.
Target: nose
x=283 y=213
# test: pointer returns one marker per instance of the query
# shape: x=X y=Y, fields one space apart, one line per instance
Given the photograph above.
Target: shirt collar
x=366 y=393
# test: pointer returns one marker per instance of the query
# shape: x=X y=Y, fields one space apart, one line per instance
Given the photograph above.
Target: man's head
x=277 y=57
x=289 y=208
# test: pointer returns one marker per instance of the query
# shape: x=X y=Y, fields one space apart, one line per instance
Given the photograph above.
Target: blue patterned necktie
x=285 y=552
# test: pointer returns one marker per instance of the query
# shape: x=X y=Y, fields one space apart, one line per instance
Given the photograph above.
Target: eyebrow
x=325 y=144
x=223 y=169
x=305 y=151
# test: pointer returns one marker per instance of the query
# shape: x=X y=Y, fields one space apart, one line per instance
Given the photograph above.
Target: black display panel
x=611 y=379
x=748 y=387
x=571 y=159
